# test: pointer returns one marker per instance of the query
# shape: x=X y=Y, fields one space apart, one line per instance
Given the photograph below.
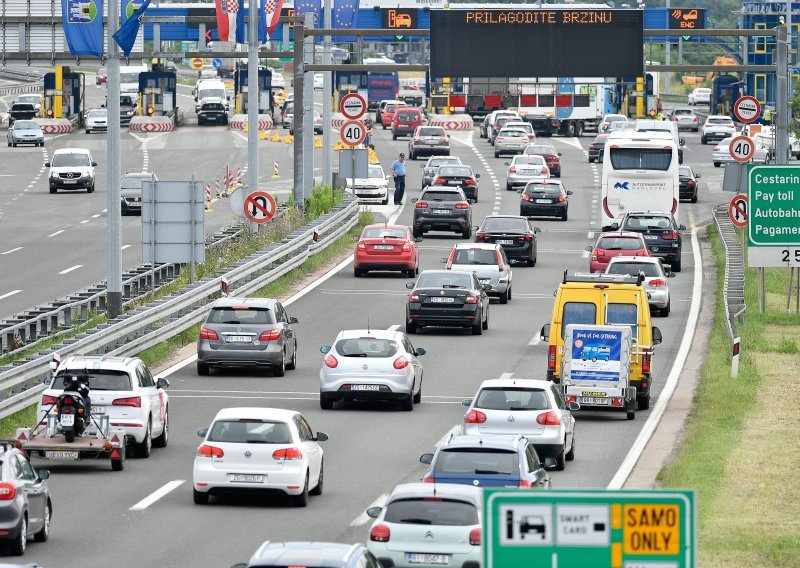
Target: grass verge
x=738 y=439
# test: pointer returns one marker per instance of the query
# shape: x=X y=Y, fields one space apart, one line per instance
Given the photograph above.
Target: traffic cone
x=288 y=139
x=275 y=136
x=317 y=142
x=246 y=126
x=263 y=135
x=275 y=173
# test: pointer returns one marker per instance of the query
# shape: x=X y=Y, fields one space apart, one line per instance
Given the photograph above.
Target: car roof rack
x=604 y=278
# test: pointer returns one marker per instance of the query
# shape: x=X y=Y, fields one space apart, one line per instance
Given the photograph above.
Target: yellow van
x=604 y=299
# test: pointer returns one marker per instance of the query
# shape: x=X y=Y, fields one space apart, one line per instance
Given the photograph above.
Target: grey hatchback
x=328 y=554
x=247 y=332
x=25 y=506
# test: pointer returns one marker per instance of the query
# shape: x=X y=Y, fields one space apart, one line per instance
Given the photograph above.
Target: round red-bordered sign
x=747 y=109
x=742 y=149
x=353 y=106
x=353 y=133
x=737 y=210
x=259 y=207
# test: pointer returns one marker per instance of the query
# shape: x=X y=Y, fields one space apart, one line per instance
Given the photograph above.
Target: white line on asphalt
x=84 y=221
x=71 y=268
x=56 y=233
x=365 y=292
x=363 y=518
x=394 y=327
x=8 y=294
x=156 y=495
x=535 y=340
x=125 y=246
x=95 y=216
x=505 y=376
x=590 y=235
x=11 y=250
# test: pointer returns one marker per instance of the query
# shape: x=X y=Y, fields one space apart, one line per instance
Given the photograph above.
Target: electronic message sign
x=536 y=43
x=399 y=19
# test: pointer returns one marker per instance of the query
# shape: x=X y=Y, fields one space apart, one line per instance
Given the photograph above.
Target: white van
x=648 y=125
x=210 y=89
x=129 y=78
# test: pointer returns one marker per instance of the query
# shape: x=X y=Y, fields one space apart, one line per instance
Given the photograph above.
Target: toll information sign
x=536 y=43
x=622 y=529
x=687 y=18
x=773 y=215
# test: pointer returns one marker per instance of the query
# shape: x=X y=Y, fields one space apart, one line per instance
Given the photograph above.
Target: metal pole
x=252 y=101
x=308 y=111
x=781 y=97
x=327 y=91
x=667 y=54
x=113 y=171
x=193 y=229
x=297 y=119
x=680 y=51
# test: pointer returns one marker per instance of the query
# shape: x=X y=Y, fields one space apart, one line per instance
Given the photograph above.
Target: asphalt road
x=372 y=447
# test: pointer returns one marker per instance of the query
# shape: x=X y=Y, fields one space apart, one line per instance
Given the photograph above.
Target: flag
x=83 y=26
x=267 y=24
x=345 y=16
x=227 y=19
x=314 y=6
x=126 y=34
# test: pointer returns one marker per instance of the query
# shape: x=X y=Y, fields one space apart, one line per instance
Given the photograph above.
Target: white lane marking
x=365 y=292
x=11 y=250
x=363 y=518
x=96 y=215
x=56 y=233
x=505 y=376
x=535 y=340
x=9 y=294
x=125 y=246
x=569 y=142
x=156 y=495
x=84 y=221
x=71 y=268
x=394 y=327
x=627 y=465
x=590 y=235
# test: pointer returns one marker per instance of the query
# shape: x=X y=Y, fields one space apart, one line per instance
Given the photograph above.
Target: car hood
x=81 y=169
x=367 y=181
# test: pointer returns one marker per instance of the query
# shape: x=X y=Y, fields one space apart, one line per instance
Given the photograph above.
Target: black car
x=433 y=163
x=447 y=298
x=513 y=233
x=212 y=111
x=596 y=148
x=21 y=111
x=458 y=176
x=546 y=198
x=688 y=183
x=660 y=231
x=442 y=209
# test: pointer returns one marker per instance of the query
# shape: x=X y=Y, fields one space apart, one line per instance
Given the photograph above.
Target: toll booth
x=66 y=99
x=264 y=90
x=157 y=93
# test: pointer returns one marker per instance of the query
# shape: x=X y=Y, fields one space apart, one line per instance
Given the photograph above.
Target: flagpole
x=252 y=100
x=327 y=93
x=113 y=171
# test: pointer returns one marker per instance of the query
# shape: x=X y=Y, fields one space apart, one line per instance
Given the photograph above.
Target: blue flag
x=83 y=26
x=302 y=7
x=126 y=34
x=345 y=16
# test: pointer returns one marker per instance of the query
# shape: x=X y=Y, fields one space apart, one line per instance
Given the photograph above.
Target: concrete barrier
x=152 y=124
x=55 y=125
x=238 y=122
x=452 y=121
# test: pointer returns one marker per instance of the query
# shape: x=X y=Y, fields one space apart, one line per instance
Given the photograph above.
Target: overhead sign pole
x=308 y=111
x=327 y=93
x=252 y=101
x=113 y=171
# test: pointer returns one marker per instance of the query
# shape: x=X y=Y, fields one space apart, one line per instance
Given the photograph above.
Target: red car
x=387 y=116
x=551 y=157
x=405 y=122
x=102 y=76
x=613 y=244
x=386 y=247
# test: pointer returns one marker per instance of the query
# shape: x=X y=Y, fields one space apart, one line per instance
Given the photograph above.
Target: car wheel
x=411 y=328
x=665 y=311
x=144 y=448
x=570 y=455
x=357 y=272
x=90 y=189
x=416 y=232
x=565 y=216
x=509 y=187
x=630 y=414
x=560 y=458
x=318 y=489
x=203 y=369
x=44 y=534
x=9 y=144
x=385 y=201
x=477 y=328
x=280 y=369
x=20 y=543
x=407 y=403
x=591 y=160
x=292 y=364
x=643 y=403
x=409 y=273
x=199 y=497
x=485 y=324
x=504 y=297
x=14 y=144
x=695 y=129
x=694 y=199
x=717 y=164
x=394 y=136
x=467 y=233
x=418 y=396
x=325 y=403
x=703 y=140
x=496 y=154
x=302 y=499
x=163 y=439
x=676 y=265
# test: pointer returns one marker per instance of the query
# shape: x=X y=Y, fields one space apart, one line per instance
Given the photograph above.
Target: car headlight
x=54 y=175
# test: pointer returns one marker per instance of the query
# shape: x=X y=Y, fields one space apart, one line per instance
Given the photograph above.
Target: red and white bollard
x=217 y=189
x=275 y=173
x=208 y=197
x=239 y=174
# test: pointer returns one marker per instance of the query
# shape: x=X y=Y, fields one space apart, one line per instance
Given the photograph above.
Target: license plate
x=593 y=400
x=543 y=201
x=238 y=339
x=60 y=455
x=453 y=182
x=245 y=478
x=441 y=212
x=70 y=181
x=417 y=558
x=98 y=409
x=67 y=419
x=365 y=387
x=443 y=300
x=504 y=242
x=650 y=237
x=384 y=247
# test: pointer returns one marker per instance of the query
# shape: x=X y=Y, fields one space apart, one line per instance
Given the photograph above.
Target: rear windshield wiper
x=452 y=286
x=486 y=472
x=417 y=521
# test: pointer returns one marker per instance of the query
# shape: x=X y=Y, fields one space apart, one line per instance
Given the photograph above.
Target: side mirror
x=614 y=226
x=574 y=406
x=202 y=432
x=569 y=192
x=544 y=334
x=670 y=274
x=656 y=336
x=293 y=320
x=477 y=176
x=94 y=164
x=697 y=176
x=443 y=261
x=417 y=239
x=426 y=459
x=537 y=230
x=682 y=228
x=324 y=349
x=589 y=249
x=466 y=403
x=486 y=287
x=507 y=163
x=550 y=463
x=47 y=164
x=420 y=351
x=414 y=200
x=162 y=383
x=44 y=474
x=422 y=167
x=321 y=437
x=373 y=512
x=103 y=105
x=356 y=239
x=559 y=153
x=520 y=189
x=410 y=285
x=681 y=141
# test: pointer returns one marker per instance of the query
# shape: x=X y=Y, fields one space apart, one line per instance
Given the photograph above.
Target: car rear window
x=578 y=313
x=440 y=196
x=450 y=280
x=650 y=270
x=504 y=224
x=99 y=379
x=431 y=511
x=534 y=160
x=478 y=461
x=455 y=171
x=484 y=257
x=545 y=150
x=640 y=223
x=404 y=116
x=366 y=347
x=240 y=315
x=383 y=233
x=619 y=243
x=512 y=398
x=441 y=161
x=623 y=314
x=431 y=131
x=641 y=158
x=720 y=121
x=249 y=431
x=685 y=171
x=542 y=188
x=515 y=132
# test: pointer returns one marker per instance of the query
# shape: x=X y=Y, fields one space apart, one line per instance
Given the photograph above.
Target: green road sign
x=773 y=216
x=594 y=527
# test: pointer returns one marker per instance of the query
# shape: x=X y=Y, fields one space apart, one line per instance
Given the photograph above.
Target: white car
x=32 y=99
x=97 y=120
x=373 y=188
x=123 y=389
x=71 y=168
x=655 y=278
x=278 y=80
x=608 y=119
x=699 y=96
x=523 y=169
x=533 y=408
x=318 y=81
x=258 y=450
x=526 y=126
x=371 y=364
x=402 y=534
x=721 y=154
x=717 y=127
x=488 y=261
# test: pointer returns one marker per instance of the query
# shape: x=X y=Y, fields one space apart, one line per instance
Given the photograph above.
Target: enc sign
x=399 y=19
x=773 y=215
x=687 y=19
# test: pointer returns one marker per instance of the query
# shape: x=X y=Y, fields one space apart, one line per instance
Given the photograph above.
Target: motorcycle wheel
x=69 y=436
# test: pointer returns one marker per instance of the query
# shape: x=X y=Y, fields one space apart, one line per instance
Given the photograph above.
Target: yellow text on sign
x=651 y=529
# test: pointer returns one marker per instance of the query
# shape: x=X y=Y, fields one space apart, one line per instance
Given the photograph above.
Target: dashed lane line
x=11 y=250
x=157 y=494
x=9 y=294
x=71 y=268
x=56 y=233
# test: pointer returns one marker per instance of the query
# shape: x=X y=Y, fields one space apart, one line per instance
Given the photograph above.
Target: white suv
x=123 y=389
x=71 y=168
x=717 y=127
x=699 y=96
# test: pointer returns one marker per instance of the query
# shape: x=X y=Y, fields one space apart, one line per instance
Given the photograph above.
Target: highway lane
x=372 y=447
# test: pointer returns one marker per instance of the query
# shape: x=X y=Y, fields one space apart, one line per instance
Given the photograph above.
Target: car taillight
x=500 y=264
x=287 y=454
x=528 y=237
x=670 y=236
x=440 y=181
x=361 y=246
x=422 y=204
x=428 y=479
x=206 y=451
x=501 y=139
x=331 y=361
x=480 y=237
x=551 y=358
x=694 y=119
x=526 y=197
x=525 y=484
x=545 y=172
x=474 y=417
x=462 y=205
x=270 y=335
x=646 y=363
x=47 y=399
x=549 y=418
x=471 y=299
x=469 y=181
x=400 y=363
x=562 y=198
x=413 y=298
x=379 y=533
x=716 y=148
x=674 y=205
x=691 y=184
x=208 y=334
x=7 y=491
x=406 y=247
x=512 y=170
x=133 y=401
x=600 y=252
x=475 y=537
x=658 y=282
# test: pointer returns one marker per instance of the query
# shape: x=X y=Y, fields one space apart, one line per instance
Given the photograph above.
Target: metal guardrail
x=22 y=382
x=31 y=81
x=733 y=286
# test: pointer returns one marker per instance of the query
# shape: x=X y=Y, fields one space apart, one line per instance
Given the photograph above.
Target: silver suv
x=717 y=127
x=429 y=140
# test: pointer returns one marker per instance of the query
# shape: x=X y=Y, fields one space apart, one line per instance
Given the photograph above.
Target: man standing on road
x=399 y=173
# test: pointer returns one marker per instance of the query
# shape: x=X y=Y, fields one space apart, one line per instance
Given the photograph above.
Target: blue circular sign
x=217 y=63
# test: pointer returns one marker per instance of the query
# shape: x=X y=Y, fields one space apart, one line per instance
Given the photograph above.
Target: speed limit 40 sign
x=353 y=133
x=742 y=149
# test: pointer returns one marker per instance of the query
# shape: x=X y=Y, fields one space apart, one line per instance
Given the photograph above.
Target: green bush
x=323 y=199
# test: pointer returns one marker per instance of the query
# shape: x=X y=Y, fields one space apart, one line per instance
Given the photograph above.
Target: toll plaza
x=157 y=93
x=264 y=90
x=63 y=94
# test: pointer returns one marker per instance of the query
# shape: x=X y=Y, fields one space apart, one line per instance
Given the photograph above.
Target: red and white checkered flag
x=272 y=11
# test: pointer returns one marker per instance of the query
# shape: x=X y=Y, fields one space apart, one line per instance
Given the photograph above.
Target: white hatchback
x=258 y=450
x=488 y=261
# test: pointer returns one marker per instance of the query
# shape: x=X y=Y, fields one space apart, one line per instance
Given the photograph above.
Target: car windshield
x=212 y=93
x=657 y=159
x=99 y=379
x=98 y=113
x=250 y=431
x=30 y=99
x=529 y=161
x=641 y=222
x=719 y=121
x=430 y=131
x=512 y=398
x=240 y=315
x=126 y=100
x=650 y=269
x=578 y=313
x=685 y=171
x=451 y=280
x=455 y=171
x=504 y=224
x=615 y=118
x=375 y=172
x=542 y=188
x=384 y=233
x=427 y=511
x=623 y=314
x=484 y=257
x=26 y=125
x=69 y=160
x=619 y=243
x=487 y=461
x=134 y=181
x=544 y=150
x=441 y=196
x=366 y=347
x=289 y=109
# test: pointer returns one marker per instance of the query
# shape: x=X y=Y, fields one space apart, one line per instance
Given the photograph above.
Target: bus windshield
x=654 y=159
